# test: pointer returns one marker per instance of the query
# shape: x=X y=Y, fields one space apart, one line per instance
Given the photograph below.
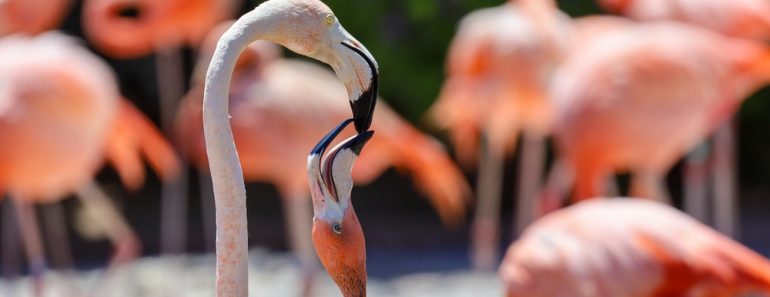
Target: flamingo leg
x=206 y=189
x=33 y=244
x=558 y=183
x=56 y=232
x=724 y=179
x=123 y=238
x=648 y=184
x=530 y=177
x=486 y=222
x=11 y=251
x=696 y=182
x=298 y=212
x=173 y=193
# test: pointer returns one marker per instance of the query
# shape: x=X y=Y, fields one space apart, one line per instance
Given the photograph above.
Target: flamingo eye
x=337 y=228
x=329 y=20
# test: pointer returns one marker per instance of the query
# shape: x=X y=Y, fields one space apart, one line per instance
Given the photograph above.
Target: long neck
x=226 y=173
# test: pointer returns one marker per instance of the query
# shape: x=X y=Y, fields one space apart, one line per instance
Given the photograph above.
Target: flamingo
x=637 y=99
x=629 y=247
x=31 y=16
x=60 y=105
x=739 y=18
x=497 y=69
x=337 y=235
x=126 y=29
x=269 y=91
x=307 y=27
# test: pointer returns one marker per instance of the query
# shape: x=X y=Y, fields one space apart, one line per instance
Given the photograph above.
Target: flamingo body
x=638 y=99
x=57 y=109
x=629 y=247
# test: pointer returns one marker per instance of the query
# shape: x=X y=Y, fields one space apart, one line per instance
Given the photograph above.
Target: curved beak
x=363 y=106
x=336 y=167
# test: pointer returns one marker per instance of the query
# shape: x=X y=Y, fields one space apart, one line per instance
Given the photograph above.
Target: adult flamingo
x=60 y=106
x=497 y=68
x=307 y=27
x=31 y=16
x=739 y=18
x=266 y=90
x=638 y=99
x=629 y=247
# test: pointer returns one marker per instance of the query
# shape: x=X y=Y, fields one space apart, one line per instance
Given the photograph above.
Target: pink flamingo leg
x=724 y=177
x=33 y=244
x=529 y=179
x=174 y=193
x=486 y=225
x=11 y=251
x=557 y=186
x=298 y=212
x=695 y=183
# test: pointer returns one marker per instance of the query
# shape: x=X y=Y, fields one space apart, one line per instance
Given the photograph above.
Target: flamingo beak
x=363 y=106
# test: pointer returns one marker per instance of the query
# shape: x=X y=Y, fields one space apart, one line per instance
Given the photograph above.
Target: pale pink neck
x=226 y=173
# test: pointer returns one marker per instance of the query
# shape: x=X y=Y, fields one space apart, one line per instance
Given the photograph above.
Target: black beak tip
x=363 y=111
x=361 y=139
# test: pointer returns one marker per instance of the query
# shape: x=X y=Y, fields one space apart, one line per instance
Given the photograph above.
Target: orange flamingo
x=740 y=18
x=307 y=27
x=337 y=234
x=269 y=91
x=61 y=107
x=497 y=68
x=31 y=16
x=638 y=99
x=629 y=247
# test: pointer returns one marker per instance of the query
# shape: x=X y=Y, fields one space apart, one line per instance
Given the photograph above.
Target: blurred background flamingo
x=131 y=29
x=269 y=91
x=61 y=108
x=629 y=247
x=742 y=18
x=641 y=105
x=31 y=17
x=497 y=70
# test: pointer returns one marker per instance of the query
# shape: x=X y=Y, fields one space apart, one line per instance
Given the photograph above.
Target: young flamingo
x=307 y=27
x=337 y=234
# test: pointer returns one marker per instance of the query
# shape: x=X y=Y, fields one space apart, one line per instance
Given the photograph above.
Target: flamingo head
x=310 y=28
x=337 y=234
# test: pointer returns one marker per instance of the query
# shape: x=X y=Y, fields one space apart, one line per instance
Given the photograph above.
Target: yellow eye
x=329 y=20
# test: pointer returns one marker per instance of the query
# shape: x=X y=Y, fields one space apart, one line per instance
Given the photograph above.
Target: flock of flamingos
x=628 y=93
